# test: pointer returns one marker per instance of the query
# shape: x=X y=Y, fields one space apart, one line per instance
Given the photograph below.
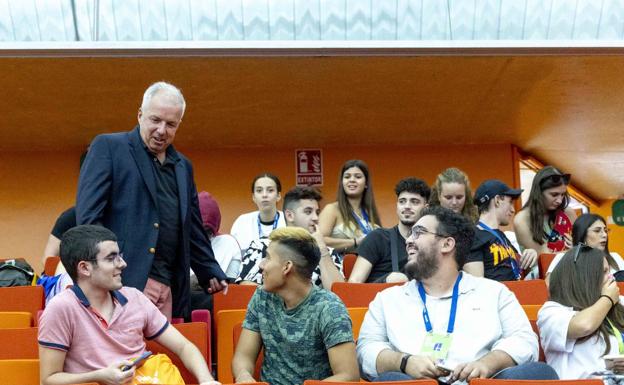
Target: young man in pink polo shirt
x=89 y=332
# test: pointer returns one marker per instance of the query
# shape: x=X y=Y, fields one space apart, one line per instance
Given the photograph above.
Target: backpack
x=16 y=272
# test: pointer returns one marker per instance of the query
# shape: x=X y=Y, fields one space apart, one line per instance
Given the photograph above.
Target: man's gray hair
x=164 y=87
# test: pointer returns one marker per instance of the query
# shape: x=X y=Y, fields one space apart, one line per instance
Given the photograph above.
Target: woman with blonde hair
x=451 y=190
x=346 y=222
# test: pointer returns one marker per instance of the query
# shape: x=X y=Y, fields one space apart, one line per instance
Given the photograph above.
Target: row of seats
x=531 y=292
x=28 y=349
x=229 y=310
x=230 y=323
x=543 y=262
x=26 y=372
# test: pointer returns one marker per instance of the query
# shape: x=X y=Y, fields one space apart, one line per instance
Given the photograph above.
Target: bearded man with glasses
x=445 y=324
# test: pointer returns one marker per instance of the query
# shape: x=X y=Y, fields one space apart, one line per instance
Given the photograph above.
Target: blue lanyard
x=275 y=220
x=513 y=262
x=454 y=298
x=366 y=227
x=494 y=233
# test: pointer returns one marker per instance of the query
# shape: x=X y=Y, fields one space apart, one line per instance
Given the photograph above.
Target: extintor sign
x=309 y=166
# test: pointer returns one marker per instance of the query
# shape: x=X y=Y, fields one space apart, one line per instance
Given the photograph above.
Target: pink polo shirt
x=69 y=323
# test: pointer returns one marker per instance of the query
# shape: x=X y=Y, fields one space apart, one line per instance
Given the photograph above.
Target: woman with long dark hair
x=545 y=221
x=583 y=320
x=346 y=222
x=591 y=230
x=451 y=190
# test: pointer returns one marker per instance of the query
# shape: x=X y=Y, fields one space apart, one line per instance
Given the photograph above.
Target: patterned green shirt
x=296 y=341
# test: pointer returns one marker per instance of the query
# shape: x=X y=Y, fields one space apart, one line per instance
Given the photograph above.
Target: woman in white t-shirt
x=265 y=193
x=591 y=230
x=583 y=319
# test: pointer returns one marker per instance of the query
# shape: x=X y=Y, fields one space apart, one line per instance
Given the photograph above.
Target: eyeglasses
x=113 y=259
x=417 y=231
x=557 y=179
x=580 y=246
x=599 y=230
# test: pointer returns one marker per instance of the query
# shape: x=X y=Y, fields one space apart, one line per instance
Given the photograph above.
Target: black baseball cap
x=491 y=188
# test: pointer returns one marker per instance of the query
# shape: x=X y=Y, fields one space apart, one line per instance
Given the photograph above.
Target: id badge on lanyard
x=617 y=334
x=436 y=345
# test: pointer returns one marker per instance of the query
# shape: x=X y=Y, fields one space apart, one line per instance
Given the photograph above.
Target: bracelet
x=354 y=243
x=609 y=298
x=404 y=362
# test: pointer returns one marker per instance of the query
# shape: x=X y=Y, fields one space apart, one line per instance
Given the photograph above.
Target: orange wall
x=231 y=185
x=39 y=185
x=616 y=237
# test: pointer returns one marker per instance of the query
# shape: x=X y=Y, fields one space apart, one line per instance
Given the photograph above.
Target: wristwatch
x=404 y=362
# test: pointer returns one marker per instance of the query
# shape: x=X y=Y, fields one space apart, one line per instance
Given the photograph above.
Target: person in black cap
x=492 y=255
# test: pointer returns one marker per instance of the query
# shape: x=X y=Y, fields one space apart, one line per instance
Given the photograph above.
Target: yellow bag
x=157 y=369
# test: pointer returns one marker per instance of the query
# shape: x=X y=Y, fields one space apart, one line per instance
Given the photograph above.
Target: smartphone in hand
x=443 y=368
x=137 y=361
x=611 y=359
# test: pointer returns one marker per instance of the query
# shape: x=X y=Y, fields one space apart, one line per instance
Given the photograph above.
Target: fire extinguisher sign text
x=309 y=166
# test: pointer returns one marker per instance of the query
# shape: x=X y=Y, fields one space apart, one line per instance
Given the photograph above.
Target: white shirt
x=245 y=228
x=488 y=318
x=227 y=253
x=618 y=259
x=571 y=359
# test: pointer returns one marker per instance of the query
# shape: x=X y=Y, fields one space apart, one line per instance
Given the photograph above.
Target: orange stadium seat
x=357 y=317
x=531 y=292
x=531 y=312
x=348 y=262
x=237 y=297
x=543 y=262
x=238 y=329
x=49 y=268
x=19 y=372
x=227 y=320
x=359 y=294
x=197 y=333
x=15 y=319
x=27 y=348
x=22 y=298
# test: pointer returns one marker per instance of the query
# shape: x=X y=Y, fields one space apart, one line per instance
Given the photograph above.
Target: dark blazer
x=117 y=189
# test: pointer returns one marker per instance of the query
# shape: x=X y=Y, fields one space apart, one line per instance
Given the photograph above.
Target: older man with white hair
x=137 y=185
